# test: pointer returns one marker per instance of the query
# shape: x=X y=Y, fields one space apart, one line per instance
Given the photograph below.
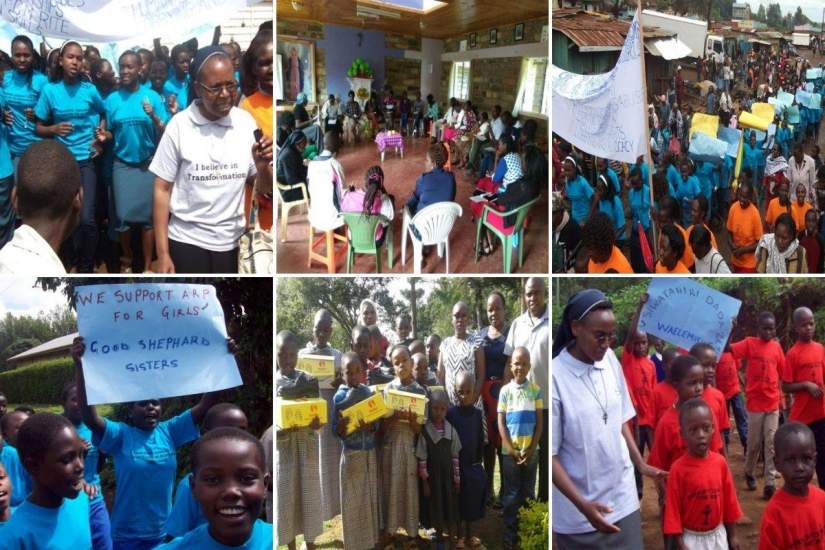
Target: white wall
x=431 y=50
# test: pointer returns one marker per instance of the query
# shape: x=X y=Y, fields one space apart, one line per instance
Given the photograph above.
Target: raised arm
x=211 y=398
x=634 y=323
x=95 y=422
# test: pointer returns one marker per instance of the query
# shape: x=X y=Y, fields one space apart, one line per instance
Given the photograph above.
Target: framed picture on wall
x=519 y=32
x=473 y=38
x=297 y=67
x=493 y=36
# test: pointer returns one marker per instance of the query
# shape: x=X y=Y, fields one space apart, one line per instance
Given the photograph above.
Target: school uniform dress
x=438 y=452
x=399 y=470
x=145 y=468
x=469 y=423
x=358 y=475
x=458 y=356
x=208 y=163
x=98 y=514
x=34 y=527
x=81 y=105
x=259 y=539
x=186 y=512
x=21 y=481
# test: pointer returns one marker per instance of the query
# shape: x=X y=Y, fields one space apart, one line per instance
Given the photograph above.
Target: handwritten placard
x=149 y=341
x=684 y=312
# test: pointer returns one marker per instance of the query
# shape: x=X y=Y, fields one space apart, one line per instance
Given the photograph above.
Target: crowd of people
x=486 y=395
x=150 y=164
x=760 y=214
x=677 y=404
x=51 y=495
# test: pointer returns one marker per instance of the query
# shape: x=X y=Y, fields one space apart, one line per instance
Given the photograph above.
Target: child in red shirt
x=712 y=396
x=803 y=378
x=794 y=518
x=763 y=361
x=664 y=394
x=727 y=382
x=701 y=507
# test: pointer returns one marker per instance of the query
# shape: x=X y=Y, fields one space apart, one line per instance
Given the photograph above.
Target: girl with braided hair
x=372 y=199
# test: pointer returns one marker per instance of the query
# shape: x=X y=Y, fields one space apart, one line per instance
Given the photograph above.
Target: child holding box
x=360 y=508
x=296 y=453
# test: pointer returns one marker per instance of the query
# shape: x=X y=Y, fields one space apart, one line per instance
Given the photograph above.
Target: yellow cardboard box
x=378 y=388
x=399 y=400
x=436 y=388
x=318 y=366
x=368 y=410
x=299 y=413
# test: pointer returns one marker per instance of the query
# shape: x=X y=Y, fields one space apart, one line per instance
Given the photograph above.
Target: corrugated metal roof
x=596 y=31
x=58 y=344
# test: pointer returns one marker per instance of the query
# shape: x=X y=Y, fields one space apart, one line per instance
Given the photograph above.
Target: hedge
x=39 y=382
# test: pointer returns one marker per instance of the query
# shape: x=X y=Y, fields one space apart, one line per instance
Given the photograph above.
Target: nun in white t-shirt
x=206 y=161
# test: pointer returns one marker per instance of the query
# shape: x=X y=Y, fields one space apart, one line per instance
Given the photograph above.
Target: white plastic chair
x=434 y=224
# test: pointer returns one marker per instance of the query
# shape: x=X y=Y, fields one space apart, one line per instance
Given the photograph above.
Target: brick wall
x=506 y=36
x=402 y=41
x=403 y=74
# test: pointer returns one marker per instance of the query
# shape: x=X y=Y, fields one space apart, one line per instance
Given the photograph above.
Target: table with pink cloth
x=384 y=140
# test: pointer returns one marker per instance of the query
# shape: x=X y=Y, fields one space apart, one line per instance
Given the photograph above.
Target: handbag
x=256 y=254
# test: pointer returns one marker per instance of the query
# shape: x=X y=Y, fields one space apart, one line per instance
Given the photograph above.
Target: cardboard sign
x=684 y=312
x=150 y=341
x=369 y=410
x=299 y=413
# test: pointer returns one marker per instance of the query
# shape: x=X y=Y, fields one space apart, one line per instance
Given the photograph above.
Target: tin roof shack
x=590 y=43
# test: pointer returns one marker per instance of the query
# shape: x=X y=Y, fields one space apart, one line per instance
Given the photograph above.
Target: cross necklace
x=595 y=394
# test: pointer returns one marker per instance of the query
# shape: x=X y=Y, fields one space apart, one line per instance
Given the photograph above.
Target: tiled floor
x=400 y=177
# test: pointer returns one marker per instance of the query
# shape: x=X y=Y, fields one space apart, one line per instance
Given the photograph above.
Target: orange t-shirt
x=798 y=213
x=727 y=377
x=260 y=107
x=716 y=401
x=668 y=443
x=804 y=363
x=764 y=361
x=664 y=396
x=640 y=377
x=700 y=495
x=687 y=257
x=774 y=211
x=790 y=522
x=712 y=236
x=745 y=227
x=616 y=261
x=678 y=268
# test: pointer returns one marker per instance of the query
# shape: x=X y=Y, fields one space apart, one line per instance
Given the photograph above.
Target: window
x=460 y=80
x=534 y=89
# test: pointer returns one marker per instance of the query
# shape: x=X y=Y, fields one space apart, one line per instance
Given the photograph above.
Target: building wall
x=242 y=26
x=505 y=36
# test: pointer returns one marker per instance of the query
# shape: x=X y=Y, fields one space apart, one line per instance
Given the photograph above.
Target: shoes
x=751 y=481
x=768 y=492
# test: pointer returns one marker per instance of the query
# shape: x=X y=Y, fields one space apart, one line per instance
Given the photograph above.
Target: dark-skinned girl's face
x=5 y=489
x=157 y=74
x=692 y=384
x=181 y=63
x=287 y=354
x=796 y=460
x=71 y=407
x=262 y=68
x=421 y=370
x=60 y=469
x=465 y=392
x=129 y=70
x=665 y=251
x=767 y=329
x=495 y=311
x=460 y=314
x=106 y=74
x=569 y=170
x=438 y=410
x=145 y=64
x=361 y=345
x=594 y=333
x=230 y=486
x=322 y=331
x=146 y=414
x=696 y=213
x=71 y=60
x=22 y=56
x=402 y=364
x=685 y=170
x=783 y=236
x=810 y=221
x=352 y=372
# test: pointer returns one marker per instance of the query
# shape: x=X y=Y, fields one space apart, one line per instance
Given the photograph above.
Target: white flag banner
x=604 y=114
x=113 y=20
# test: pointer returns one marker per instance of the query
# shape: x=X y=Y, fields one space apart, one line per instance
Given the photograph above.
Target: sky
x=811 y=8
x=19 y=296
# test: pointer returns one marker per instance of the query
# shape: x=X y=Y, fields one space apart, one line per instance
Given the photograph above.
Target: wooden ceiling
x=457 y=18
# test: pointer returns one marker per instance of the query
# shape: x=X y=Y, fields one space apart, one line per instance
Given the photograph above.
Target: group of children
x=684 y=421
x=51 y=496
x=402 y=471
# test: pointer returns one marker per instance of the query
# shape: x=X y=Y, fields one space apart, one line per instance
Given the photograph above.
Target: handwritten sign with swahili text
x=149 y=341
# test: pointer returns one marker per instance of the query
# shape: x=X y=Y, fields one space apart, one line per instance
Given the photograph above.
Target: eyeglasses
x=217 y=90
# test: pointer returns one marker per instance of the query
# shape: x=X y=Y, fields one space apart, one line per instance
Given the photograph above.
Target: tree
x=774 y=16
x=761 y=14
x=799 y=18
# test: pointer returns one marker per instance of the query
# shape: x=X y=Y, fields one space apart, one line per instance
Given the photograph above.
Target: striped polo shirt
x=519 y=403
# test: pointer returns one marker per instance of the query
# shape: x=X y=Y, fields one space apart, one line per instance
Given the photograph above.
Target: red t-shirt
x=804 y=363
x=699 y=495
x=668 y=443
x=664 y=396
x=718 y=405
x=640 y=377
x=763 y=363
x=727 y=377
x=794 y=523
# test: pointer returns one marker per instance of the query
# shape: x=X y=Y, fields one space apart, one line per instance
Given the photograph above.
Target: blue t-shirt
x=135 y=137
x=687 y=190
x=613 y=208
x=179 y=88
x=753 y=156
x=259 y=539
x=11 y=513
x=708 y=177
x=21 y=481
x=639 y=200
x=80 y=104
x=186 y=513
x=614 y=179
x=34 y=527
x=145 y=468
x=674 y=177
x=579 y=192
x=20 y=94
x=90 y=474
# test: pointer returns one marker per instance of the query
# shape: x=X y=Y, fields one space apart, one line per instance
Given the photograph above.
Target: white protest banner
x=604 y=114
x=684 y=312
x=149 y=341
x=113 y=20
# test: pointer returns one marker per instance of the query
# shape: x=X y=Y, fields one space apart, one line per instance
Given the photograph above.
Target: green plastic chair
x=506 y=240
x=361 y=235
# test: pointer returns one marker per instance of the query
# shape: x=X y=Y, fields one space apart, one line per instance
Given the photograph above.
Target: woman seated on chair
x=291 y=169
x=372 y=199
x=467 y=126
x=304 y=123
x=436 y=184
x=374 y=112
x=508 y=169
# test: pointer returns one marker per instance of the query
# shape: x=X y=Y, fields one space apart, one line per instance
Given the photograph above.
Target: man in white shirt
x=497 y=125
x=802 y=169
x=707 y=259
x=330 y=113
x=48 y=198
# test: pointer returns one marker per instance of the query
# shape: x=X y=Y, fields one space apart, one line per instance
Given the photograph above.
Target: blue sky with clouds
x=811 y=8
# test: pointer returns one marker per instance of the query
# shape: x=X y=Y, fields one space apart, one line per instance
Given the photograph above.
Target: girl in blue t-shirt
x=611 y=204
x=55 y=516
x=145 y=460
x=136 y=118
x=754 y=158
x=178 y=84
x=21 y=90
x=577 y=190
x=638 y=197
x=686 y=190
x=157 y=78
x=70 y=110
x=5 y=495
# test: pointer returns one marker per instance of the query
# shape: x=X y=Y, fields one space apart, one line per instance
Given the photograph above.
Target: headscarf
x=201 y=57
x=301 y=99
x=297 y=136
x=578 y=307
x=514 y=171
